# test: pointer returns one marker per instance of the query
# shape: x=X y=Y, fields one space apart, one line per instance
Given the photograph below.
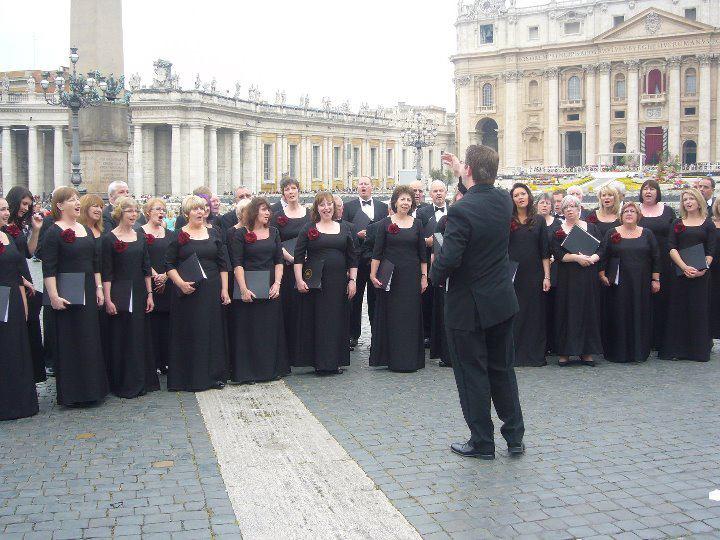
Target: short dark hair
x=711 y=179
x=653 y=184
x=559 y=192
x=288 y=182
x=483 y=163
x=402 y=190
x=251 y=211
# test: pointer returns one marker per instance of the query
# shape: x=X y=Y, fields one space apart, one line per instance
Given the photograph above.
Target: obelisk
x=96 y=31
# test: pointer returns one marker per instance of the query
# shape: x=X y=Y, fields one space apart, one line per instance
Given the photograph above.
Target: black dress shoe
x=50 y=372
x=468 y=450
x=516 y=450
x=443 y=363
x=427 y=343
x=353 y=343
x=219 y=385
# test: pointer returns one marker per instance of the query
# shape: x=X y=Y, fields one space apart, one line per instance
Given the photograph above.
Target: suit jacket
x=108 y=222
x=276 y=207
x=351 y=208
x=475 y=258
x=228 y=219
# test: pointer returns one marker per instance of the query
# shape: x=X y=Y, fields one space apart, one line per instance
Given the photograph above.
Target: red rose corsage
x=592 y=218
x=679 y=227
x=13 y=230
x=150 y=239
x=560 y=234
x=514 y=226
x=250 y=237
x=393 y=228
x=313 y=234
x=615 y=238
x=68 y=236
x=183 y=238
x=282 y=221
x=2 y=248
x=120 y=246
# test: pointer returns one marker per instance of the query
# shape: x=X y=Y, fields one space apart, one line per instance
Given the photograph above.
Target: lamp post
x=81 y=92
x=419 y=132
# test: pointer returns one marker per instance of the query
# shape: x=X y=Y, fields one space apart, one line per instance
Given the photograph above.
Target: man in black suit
x=706 y=187
x=480 y=304
x=578 y=192
x=229 y=219
x=116 y=189
x=375 y=210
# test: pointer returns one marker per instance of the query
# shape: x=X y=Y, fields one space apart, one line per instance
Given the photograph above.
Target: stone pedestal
x=104 y=144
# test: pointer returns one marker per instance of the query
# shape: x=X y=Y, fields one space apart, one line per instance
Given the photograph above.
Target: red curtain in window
x=653 y=144
x=654 y=79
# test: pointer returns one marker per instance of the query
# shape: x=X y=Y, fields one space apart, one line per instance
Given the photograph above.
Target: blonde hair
x=87 y=202
x=702 y=205
x=60 y=195
x=190 y=203
x=607 y=189
x=716 y=208
x=122 y=204
x=152 y=202
x=240 y=210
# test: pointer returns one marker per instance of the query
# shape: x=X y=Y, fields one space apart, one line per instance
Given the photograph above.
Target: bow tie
x=439 y=209
x=368 y=203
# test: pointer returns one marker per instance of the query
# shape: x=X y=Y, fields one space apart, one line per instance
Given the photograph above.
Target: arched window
x=534 y=148
x=654 y=82
x=619 y=148
x=487 y=95
x=690 y=81
x=689 y=153
x=534 y=93
x=573 y=88
x=620 y=86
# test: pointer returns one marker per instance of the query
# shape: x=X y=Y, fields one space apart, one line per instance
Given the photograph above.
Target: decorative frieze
x=462 y=80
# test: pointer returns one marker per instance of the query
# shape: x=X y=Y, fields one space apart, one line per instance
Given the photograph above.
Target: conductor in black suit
x=480 y=304
x=375 y=211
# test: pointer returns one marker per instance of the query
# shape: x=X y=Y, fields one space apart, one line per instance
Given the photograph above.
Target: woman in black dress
x=18 y=398
x=126 y=269
x=324 y=320
x=198 y=343
x=397 y=338
x=687 y=329
x=529 y=247
x=69 y=247
x=627 y=312
x=158 y=238
x=544 y=207
x=659 y=218
x=24 y=228
x=577 y=313
x=289 y=220
x=607 y=215
x=715 y=275
x=259 y=350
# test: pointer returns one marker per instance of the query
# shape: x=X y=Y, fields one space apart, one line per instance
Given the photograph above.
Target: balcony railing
x=572 y=103
x=653 y=98
x=486 y=109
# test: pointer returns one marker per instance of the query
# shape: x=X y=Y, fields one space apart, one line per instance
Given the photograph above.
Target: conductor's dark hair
x=653 y=184
x=483 y=163
x=402 y=190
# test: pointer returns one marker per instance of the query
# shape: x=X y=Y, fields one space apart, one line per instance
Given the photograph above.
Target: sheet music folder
x=385 y=273
x=258 y=281
x=580 y=241
x=191 y=270
x=692 y=256
x=121 y=293
x=4 y=304
x=71 y=287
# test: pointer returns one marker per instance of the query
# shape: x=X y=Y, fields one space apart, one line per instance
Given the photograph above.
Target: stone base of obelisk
x=104 y=145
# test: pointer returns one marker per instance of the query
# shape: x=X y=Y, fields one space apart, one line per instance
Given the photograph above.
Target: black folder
x=289 y=246
x=692 y=256
x=612 y=271
x=191 y=270
x=71 y=287
x=312 y=273
x=430 y=227
x=513 y=269
x=385 y=273
x=121 y=293
x=360 y=221
x=580 y=241
x=258 y=281
x=4 y=304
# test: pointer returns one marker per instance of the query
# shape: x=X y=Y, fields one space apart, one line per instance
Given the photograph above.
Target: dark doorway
x=653 y=145
x=487 y=130
x=689 y=153
x=573 y=149
x=619 y=148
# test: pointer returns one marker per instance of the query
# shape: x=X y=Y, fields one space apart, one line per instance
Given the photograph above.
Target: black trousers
x=427 y=311
x=483 y=365
x=363 y=282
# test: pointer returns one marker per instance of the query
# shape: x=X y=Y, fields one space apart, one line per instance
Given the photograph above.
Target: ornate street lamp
x=81 y=92
x=419 y=132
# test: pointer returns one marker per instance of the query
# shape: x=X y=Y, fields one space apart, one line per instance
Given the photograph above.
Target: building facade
x=180 y=139
x=571 y=82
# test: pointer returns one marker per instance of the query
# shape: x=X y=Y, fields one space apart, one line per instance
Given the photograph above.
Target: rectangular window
x=573 y=117
x=292 y=168
x=486 y=33
x=356 y=161
x=336 y=162
x=404 y=159
x=618 y=20
x=315 y=162
x=691 y=14
x=572 y=27
x=390 y=164
x=533 y=33
x=268 y=162
x=689 y=111
x=619 y=114
x=373 y=163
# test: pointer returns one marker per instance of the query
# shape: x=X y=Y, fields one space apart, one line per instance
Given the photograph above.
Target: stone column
x=197 y=156
x=33 y=180
x=149 y=174
x=235 y=159
x=213 y=159
x=553 y=111
x=704 y=109
x=7 y=159
x=58 y=157
x=249 y=161
x=282 y=154
x=674 y=106
x=590 y=140
x=604 y=111
x=176 y=161
x=382 y=163
x=365 y=159
x=511 y=117
x=137 y=183
x=633 y=98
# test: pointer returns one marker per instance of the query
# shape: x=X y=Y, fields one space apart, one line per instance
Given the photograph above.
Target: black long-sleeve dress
x=550 y=298
x=397 y=341
x=18 y=398
x=324 y=321
x=627 y=313
x=80 y=373
x=715 y=289
x=577 y=301
x=687 y=328
x=197 y=359
x=159 y=317
x=289 y=296
x=528 y=247
x=660 y=227
x=602 y=228
x=132 y=370
x=259 y=350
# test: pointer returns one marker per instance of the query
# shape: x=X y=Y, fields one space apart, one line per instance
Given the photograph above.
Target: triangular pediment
x=652 y=23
